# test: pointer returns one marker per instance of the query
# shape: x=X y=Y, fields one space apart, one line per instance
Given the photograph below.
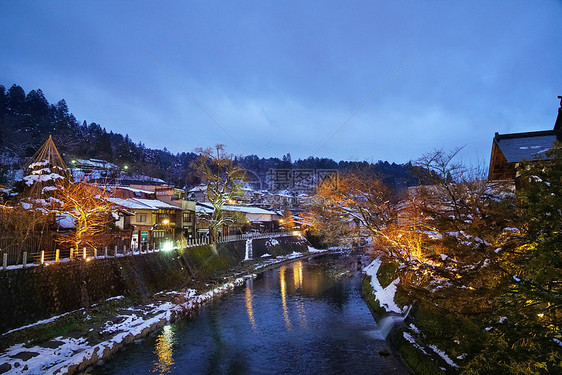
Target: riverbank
x=403 y=326
x=36 y=293
x=73 y=341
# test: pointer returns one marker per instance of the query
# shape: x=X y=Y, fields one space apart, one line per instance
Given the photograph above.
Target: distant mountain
x=27 y=120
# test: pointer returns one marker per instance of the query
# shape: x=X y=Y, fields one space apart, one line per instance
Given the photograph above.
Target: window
x=141 y=218
x=187 y=217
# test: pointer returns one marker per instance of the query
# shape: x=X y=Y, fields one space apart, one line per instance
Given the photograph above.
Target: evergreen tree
x=15 y=99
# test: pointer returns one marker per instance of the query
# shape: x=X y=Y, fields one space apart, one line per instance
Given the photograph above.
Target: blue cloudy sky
x=284 y=76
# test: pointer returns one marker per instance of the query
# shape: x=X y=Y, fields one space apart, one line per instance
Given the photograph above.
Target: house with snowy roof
x=167 y=194
x=152 y=221
x=240 y=219
x=94 y=169
x=508 y=150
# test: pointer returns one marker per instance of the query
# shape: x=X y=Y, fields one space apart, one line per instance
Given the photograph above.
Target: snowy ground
x=385 y=297
x=71 y=353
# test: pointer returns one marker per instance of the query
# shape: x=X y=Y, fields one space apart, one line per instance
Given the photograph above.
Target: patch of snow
x=434 y=235
x=414 y=328
x=385 y=296
x=516 y=278
x=272 y=242
x=502 y=319
x=266 y=255
x=38 y=164
x=115 y=298
x=412 y=341
x=313 y=250
x=33 y=178
x=48 y=188
x=443 y=355
x=46 y=358
x=477 y=239
x=39 y=322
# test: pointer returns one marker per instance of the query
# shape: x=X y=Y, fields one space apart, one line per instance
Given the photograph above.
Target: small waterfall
x=386 y=323
x=249 y=250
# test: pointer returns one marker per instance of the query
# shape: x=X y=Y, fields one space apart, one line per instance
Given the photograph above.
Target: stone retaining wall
x=35 y=293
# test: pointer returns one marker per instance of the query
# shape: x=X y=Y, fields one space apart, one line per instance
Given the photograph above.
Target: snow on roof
x=135 y=190
x=96 y=163
x=517 y=147
x=142 y=204
x=129 y=203
x=198 y=188
x=248 y=210
x=203 y=209
x=156 y=204
x=140 y=177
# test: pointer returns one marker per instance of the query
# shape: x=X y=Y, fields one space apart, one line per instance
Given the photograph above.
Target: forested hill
x=26 y=120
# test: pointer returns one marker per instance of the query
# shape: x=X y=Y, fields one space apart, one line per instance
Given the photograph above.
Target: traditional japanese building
x=152 y=221
x=508 y=150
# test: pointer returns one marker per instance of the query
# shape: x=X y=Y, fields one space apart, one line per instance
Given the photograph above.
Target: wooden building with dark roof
x=508 y=150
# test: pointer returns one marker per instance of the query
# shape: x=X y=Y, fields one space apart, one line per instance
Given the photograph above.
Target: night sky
x=400 y=78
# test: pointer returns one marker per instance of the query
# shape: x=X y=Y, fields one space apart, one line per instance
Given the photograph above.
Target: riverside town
x=280 y=188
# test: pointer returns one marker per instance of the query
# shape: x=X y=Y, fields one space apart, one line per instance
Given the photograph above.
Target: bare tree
x=90 y=208
x=222 y=178
x=19 y=225
x=357 y=205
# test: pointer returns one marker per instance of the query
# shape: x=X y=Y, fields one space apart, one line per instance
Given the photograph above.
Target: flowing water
x=306 y=317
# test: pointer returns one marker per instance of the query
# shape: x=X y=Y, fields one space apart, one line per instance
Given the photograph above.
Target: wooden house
x=508 y=150
x=153 y=222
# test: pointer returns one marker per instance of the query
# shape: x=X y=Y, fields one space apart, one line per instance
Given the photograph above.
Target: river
x=306 y=317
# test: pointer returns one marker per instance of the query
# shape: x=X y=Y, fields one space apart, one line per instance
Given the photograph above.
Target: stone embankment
x=94 y=300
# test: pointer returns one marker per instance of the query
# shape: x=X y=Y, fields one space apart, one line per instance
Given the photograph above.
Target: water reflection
x=324 y=327
x=249 y=306
x=283 y=287
x=164 y=351
x=298 y=279
x=297 y=274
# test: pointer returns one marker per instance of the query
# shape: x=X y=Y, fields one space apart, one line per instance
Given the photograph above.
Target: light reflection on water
x=297 y=276
x=164 y=351
x=249 y=306
x=303 y=318
x=283 y=287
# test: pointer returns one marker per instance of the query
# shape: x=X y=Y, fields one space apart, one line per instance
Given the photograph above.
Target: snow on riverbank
x=63 y=355
x=385 y=296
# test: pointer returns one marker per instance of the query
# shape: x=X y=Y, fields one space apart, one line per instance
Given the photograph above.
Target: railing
x=254 y=236
x=87 y=254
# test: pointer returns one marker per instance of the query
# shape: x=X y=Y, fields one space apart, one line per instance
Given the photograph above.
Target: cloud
x=283 y=76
